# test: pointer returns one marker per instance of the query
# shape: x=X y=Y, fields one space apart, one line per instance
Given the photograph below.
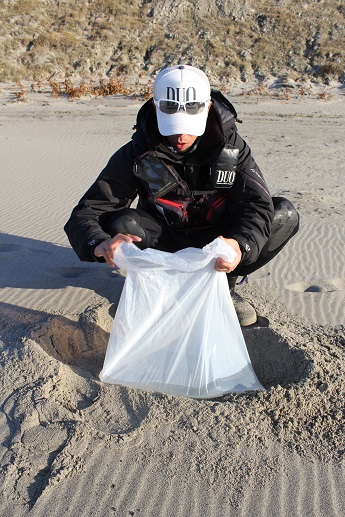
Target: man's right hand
x=106 y=248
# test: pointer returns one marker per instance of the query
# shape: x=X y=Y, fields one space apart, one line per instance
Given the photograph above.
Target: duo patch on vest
x=225 y=178
x=224 y=167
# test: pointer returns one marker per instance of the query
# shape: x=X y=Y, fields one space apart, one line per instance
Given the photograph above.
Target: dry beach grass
x=232 y=41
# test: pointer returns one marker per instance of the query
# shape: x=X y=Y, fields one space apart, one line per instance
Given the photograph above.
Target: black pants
x=160 y=236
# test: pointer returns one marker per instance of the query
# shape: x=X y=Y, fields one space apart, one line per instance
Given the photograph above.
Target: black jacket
x=116 y=187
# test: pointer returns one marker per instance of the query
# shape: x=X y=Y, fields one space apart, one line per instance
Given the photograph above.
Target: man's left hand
x=227 y=267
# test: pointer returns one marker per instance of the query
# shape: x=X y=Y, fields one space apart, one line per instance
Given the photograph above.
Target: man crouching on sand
x=195 y=179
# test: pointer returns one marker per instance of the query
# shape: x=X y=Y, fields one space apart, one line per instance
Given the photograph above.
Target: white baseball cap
x=182 y=97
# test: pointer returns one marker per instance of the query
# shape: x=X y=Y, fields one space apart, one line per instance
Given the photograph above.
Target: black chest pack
x=171 y=196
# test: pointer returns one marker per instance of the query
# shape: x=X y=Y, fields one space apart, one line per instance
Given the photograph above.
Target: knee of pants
x=135 y=222
x=285 y=216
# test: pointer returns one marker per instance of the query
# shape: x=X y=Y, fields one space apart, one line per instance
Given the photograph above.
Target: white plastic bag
x=176 y=330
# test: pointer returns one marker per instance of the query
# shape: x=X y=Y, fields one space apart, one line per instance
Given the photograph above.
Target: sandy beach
x=72 y=445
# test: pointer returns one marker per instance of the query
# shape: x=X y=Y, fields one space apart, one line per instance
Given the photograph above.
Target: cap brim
x=181 y=123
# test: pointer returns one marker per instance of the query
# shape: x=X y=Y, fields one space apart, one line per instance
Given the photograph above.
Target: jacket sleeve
x=251 y=204
x=114 y=189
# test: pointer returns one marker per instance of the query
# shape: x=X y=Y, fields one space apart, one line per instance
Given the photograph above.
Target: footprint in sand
x=75 y=272
x=71 y=272
x=320 y=286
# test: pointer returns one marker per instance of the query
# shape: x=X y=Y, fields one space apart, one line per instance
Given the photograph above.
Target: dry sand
x=71 y=445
